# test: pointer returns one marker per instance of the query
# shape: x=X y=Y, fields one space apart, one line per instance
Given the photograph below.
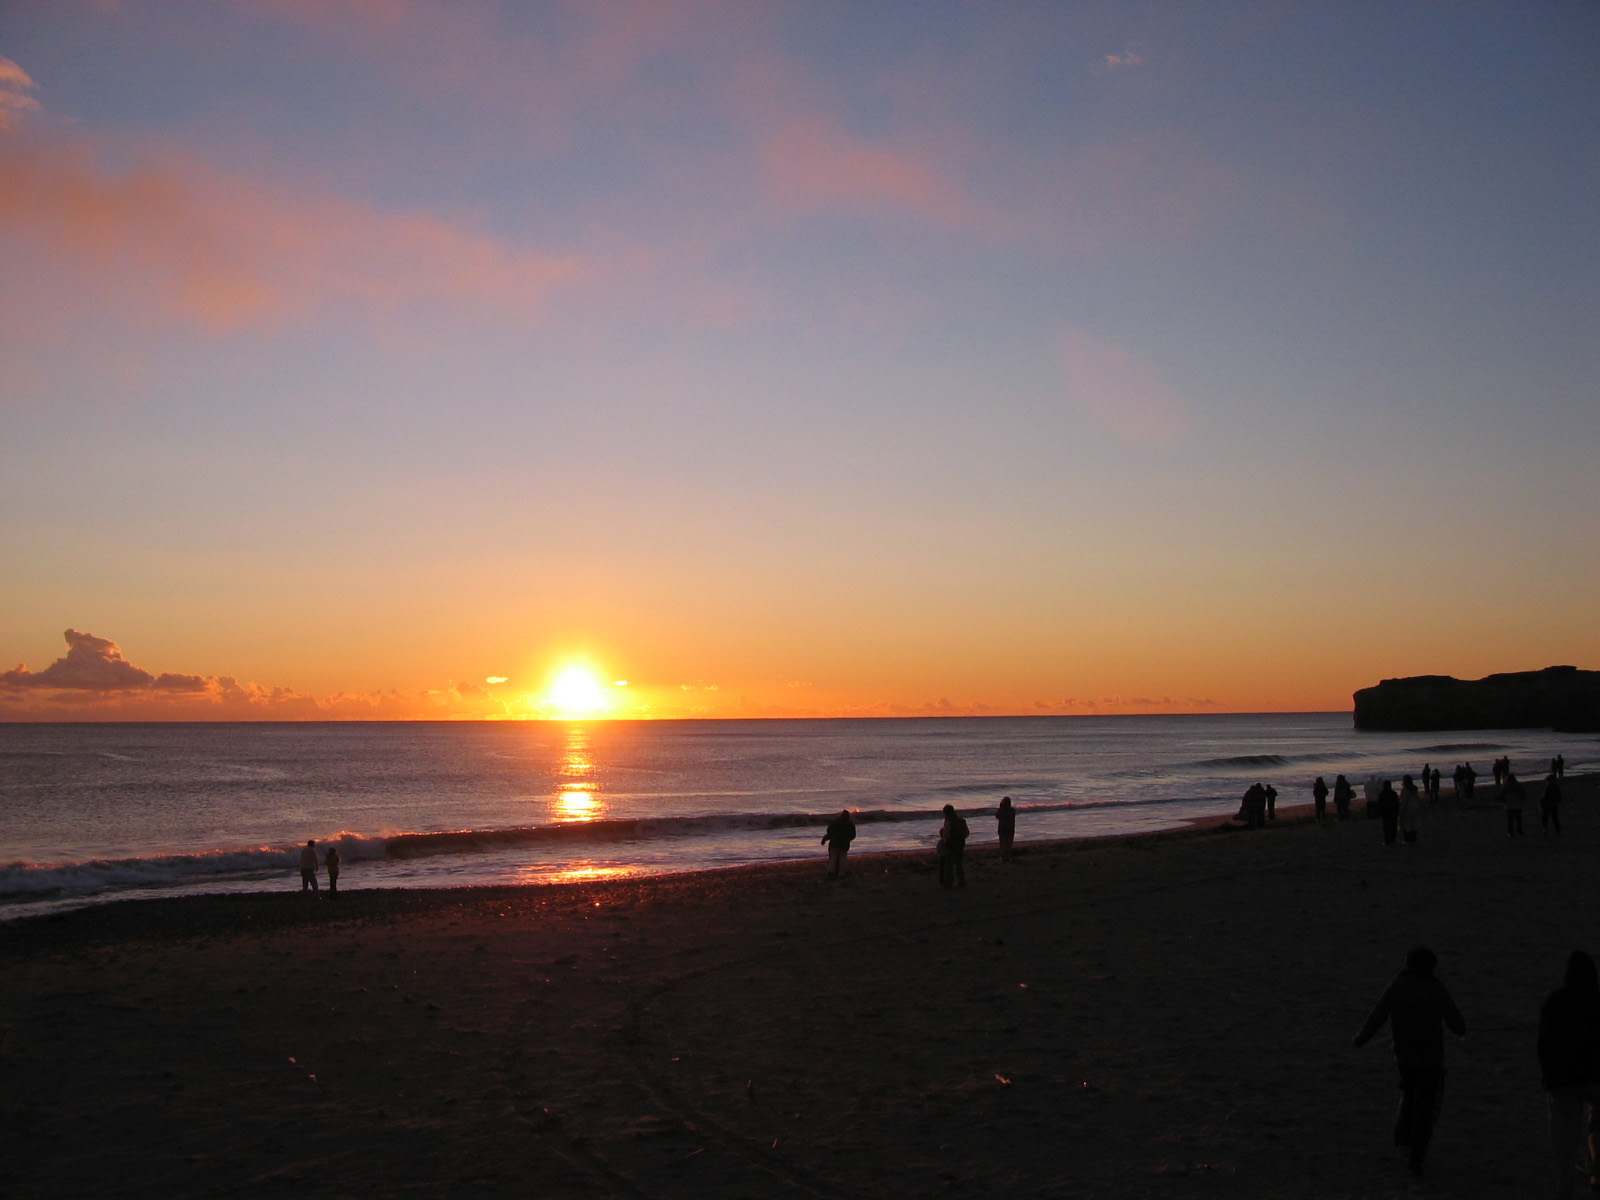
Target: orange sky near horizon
x=791 y=360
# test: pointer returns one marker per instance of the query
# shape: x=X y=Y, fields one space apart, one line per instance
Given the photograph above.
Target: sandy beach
x=1167 y=1015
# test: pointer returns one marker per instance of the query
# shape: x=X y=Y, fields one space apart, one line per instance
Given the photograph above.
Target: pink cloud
x=1120 y=393
x=14 y=99
x=225 y=253
x=810 y=165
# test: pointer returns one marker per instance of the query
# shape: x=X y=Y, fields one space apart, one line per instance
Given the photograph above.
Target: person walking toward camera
x=1416 y=1008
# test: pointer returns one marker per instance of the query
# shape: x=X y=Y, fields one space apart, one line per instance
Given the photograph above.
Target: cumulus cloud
x=95 y=664
x=1117 y=391
x=14 y=99
x=94 y=682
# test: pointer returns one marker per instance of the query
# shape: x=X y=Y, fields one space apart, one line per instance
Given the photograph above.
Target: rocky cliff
x=1562 y=698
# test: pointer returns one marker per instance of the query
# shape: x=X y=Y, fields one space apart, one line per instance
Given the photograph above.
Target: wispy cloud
x=810 y=164
x=1131 y=57
x=225 y=253
x=15 y=102
x=1119 y=392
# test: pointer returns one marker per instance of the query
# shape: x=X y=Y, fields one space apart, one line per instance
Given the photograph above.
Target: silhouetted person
x=1319 y=797
x=1389 y=812
x=331 y=861
x=1417 y=1008
x=1513 y=796
x=308 y=866
x=1550 y=806
x=1006 y=819
x=1469 y=779
x=1343 y=793
x=840 y=833
x=1254 y=806
x=1561 y=766
x=1433 y=786
x=1499 y=770
x=1569 y=1061
x=953 y=849
x=1410 y=810
x=1271 y=794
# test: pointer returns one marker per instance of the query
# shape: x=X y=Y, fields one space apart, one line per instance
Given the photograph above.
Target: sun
x=576 y=693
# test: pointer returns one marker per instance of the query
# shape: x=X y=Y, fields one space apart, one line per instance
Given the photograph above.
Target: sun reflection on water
x=578 y=796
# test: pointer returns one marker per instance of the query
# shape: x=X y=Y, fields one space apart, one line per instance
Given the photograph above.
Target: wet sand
x=1167 y=1015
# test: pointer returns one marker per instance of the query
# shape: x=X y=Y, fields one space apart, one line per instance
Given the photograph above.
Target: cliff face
x=1562 y=698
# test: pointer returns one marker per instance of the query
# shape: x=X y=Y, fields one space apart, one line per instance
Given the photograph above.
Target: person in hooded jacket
x=1416 y=1007
x=1569 y=1061
x=840 y=833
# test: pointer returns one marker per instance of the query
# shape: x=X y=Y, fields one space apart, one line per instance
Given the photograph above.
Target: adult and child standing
x=308 y=868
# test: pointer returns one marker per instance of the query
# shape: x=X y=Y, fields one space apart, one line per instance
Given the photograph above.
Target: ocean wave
x=1252 y=760
x=1453 y=747
x=26 y=881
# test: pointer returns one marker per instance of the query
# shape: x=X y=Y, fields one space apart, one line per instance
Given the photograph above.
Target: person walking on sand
x=952 y=849
x=1388 y=805
x=332 y=862
x=308 y=866
x=1513 y=796
x=1550 y=805
x=1319 y=797
x=840 y=833
x=1416 y=1007
x=1410 y=810
x=1006 y=818
x=1569 y=1062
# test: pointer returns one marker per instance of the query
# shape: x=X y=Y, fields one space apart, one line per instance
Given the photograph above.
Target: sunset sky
x=792 y=359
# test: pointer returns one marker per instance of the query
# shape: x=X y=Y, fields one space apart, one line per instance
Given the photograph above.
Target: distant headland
x=1563 y=698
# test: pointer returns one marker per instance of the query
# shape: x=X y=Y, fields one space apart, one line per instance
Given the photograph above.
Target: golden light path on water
x=578 y=797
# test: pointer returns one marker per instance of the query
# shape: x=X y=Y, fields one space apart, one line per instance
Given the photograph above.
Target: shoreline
x=1157 y=1013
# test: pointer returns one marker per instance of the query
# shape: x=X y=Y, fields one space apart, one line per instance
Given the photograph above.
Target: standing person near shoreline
x=1319 y=797
x=1569 y=1064
x=332 y=862
x=1271 y=794
x=1410 y=810
x=1006 y=819
x=840 y=833
x=1433 y=787
x=1513 y=795
x=1417 y=1007
x=1469 y=777
x=1561 y=766
x=308 y=866
x=952 y=849
x=1388 y=805
x=1343 y=793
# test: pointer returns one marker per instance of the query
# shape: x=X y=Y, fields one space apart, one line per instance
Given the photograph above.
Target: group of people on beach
x=1417 y=1008
x=952 y=846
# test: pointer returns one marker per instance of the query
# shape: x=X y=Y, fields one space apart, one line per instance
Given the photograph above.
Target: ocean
x=97 y=812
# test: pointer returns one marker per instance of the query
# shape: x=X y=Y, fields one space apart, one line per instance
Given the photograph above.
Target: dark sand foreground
x=1160 y=1016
